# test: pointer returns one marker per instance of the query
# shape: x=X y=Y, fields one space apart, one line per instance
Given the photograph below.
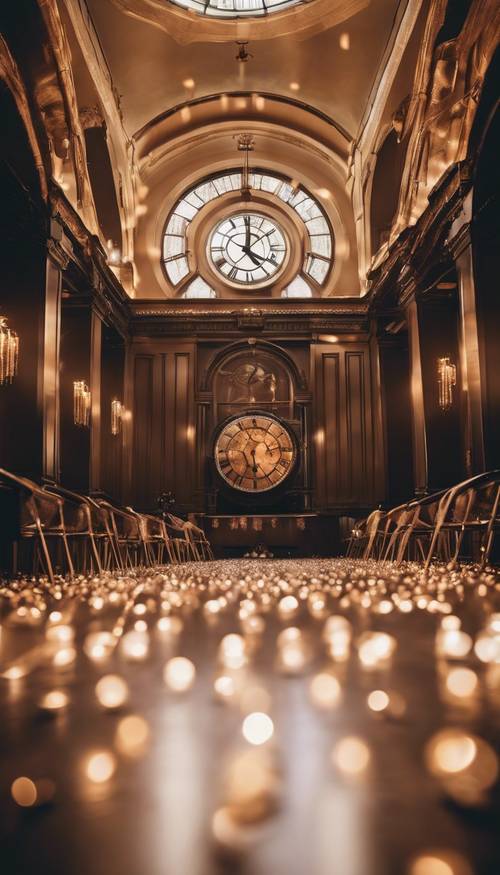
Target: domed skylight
x=236 y=8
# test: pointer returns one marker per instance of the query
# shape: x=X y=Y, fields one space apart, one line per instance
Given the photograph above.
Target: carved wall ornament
x=445 y=94
x=9 y=73
x=91 y=117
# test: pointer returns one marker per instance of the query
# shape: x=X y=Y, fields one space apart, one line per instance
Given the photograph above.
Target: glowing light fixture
x=447 y=379
x=81 y=403
x=9 y=352
x=116 y=416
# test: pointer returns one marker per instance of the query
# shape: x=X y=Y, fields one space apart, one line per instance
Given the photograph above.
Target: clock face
x=254 y=453
x=247 y=248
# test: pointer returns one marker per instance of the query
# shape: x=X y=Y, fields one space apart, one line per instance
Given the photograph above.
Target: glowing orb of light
x=257 y=728
x=179 y=674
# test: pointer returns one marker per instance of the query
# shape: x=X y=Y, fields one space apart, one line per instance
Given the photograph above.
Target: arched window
x=198 y=288
x=317 y=233
x=298 y=288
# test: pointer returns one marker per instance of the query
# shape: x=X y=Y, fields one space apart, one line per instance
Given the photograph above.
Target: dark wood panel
x=345 y=452
x=164 y=435
x=143 y=462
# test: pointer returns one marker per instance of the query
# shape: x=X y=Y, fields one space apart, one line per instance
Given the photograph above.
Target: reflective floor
x=325 y=717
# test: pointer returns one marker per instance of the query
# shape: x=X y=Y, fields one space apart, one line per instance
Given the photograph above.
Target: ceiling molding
x=120 y=146
x=187 y=27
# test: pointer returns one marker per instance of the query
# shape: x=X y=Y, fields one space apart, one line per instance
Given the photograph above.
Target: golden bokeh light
x=23 y=792
x=111 y=691
x=132 y=736
x=351 y=755
x=100 y=766
x=257 y=728
x=179 y=674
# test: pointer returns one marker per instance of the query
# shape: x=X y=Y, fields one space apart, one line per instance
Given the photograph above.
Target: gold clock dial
x=254 y=453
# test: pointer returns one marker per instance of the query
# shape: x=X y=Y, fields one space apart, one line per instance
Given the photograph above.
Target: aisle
x=312 y=717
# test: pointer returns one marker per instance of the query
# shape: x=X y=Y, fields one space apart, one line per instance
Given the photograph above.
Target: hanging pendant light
x=81 y=403
x=116 y=416
x=9 y=352
x=447 y=379
x=246 y=144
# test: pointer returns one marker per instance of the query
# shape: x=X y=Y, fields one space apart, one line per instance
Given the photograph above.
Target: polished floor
x=327 y=717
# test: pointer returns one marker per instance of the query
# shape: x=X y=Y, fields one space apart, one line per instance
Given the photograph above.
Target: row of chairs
x=455 y=524
x=78 y=534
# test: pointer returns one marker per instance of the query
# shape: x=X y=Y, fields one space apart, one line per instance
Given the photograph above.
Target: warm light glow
x=351 y=756
x=440 y=863
x=257 y=728
x=345 y=41
x=98 y=646
x=375 y=648
x=55 y=700
x=188 y=83
x=23 y=792
x=288 y=607
x=132 y=736
x=100 y=767
x=450 y=751
x=461 y=682
x=116 y=416
x=179 y=674
x=447 y=380
x=111 y=691
x=325 y=691
x=378 y=700
x=232 y=651
x=9 y=352
x=135 y=646
x=81 y=403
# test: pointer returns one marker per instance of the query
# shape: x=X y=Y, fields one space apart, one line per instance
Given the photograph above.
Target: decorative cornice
x=421 y=247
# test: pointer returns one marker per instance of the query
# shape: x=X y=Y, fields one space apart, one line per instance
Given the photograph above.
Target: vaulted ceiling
x=149 y=67
x=318 y=74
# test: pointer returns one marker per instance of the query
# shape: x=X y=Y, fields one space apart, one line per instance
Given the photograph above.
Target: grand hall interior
x=249 y=437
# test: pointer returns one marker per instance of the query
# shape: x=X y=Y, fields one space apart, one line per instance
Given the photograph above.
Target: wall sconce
x=9 y=352
x=81 y=403
x=116 y=416
x=447 y=379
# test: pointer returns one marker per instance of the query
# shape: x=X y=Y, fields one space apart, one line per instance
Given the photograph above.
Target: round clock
x=254 y=453
x=247 y=248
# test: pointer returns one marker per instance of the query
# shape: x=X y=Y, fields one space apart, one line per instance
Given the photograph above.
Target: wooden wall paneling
x=379 y=450
x=355 y=451
x=419 y=434
x=142 y=430
x=95 y=390
x=112 y=386
x=330 y=439
x=344 y=431
x=162 y=452
x=396 y=399
x=74 y=365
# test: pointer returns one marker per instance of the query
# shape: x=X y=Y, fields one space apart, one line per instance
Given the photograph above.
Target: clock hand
x=247 y=230
x=254 y=255
x=251 y=255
